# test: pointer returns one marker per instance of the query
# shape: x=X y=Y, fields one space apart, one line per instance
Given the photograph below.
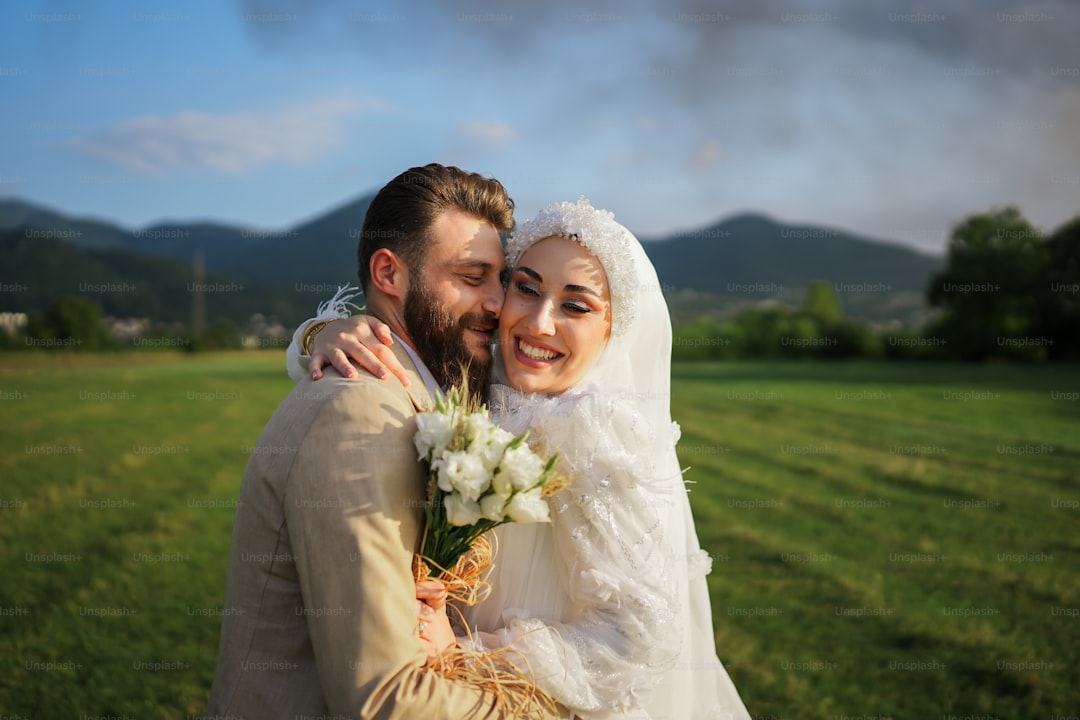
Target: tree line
x=1007 y=291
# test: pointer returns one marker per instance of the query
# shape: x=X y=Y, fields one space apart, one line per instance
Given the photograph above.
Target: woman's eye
x=578 y=308
x=526 y=289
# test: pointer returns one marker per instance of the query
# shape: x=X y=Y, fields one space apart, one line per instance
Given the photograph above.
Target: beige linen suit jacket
x=320 y=615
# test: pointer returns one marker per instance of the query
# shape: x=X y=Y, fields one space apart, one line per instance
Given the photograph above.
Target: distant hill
x=751 y=257
x=322 y=250
x=224 y=246
x=756 y=250
x=743 y=259
x=35 y=271
x=222 y=243
x=319 y=251
x=82 y=232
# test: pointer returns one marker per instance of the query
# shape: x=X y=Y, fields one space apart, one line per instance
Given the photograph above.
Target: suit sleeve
x=353 y=507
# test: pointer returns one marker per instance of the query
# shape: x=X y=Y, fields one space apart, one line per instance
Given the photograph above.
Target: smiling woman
x=557 y=316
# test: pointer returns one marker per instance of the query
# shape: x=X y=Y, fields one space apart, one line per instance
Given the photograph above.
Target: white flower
x=491 y=447
x=476 y=426
x=528 y=507
x=462 y=472
x=521 y=467
x=461 y=511
x=434 y=431
x=493 y=507
x=500 y=484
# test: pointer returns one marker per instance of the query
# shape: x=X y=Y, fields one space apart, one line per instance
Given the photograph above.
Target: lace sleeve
x=616 y=563
x=296 y=364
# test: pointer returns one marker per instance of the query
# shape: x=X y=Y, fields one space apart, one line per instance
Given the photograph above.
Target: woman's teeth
x=536 y=353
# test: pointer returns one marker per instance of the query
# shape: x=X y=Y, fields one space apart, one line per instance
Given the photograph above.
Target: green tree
x=989 y=289
x=71 y=321
x=759 y=331
x=1058 y=314
x=822 y=303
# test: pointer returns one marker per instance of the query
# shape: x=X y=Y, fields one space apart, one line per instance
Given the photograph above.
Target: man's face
x=453 y=304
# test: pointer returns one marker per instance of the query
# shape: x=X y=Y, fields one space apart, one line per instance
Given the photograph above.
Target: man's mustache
x=481 y=320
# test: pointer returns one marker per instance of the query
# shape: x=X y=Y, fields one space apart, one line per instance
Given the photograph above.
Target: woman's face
x=556 y=318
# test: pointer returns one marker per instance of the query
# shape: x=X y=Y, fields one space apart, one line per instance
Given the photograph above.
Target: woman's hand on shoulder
x=362 y=339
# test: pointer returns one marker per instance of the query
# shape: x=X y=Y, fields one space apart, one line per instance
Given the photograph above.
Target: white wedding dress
x=608 y=603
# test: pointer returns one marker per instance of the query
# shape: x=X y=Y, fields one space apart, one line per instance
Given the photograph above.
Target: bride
x=608 y=603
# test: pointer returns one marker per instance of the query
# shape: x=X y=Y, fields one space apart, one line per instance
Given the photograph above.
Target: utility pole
x=198 y=295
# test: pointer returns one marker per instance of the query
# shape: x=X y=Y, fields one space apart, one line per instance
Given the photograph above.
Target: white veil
x=634 y=372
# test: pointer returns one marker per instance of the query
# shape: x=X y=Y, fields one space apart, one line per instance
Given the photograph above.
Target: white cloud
x=233 y=143
x=495 y=134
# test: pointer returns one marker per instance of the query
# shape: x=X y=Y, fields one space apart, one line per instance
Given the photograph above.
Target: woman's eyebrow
x=582 y=290
x=569 y=288
x=531 y=273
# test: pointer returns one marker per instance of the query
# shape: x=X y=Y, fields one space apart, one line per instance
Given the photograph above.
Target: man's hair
x=402 y=213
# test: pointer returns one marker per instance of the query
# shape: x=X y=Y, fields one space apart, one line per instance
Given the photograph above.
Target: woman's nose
x=540 y=320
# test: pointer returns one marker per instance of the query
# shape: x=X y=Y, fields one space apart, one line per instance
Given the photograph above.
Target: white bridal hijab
x=609 y=603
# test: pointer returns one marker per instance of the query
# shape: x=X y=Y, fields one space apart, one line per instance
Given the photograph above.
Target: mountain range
x=740 y=260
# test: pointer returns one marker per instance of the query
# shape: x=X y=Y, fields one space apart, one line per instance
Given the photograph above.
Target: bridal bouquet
x=481 y=476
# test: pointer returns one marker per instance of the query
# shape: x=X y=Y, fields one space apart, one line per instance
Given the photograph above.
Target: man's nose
x=493 y=302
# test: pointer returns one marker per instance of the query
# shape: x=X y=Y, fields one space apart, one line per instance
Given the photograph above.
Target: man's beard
x=440 y=342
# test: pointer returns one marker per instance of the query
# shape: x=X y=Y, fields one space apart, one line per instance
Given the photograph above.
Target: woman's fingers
x=433 y=626
x=431 y=593
x=389 y=362
x=362 y=340
x=382 y=332
x=315 y=366
x=429 y=647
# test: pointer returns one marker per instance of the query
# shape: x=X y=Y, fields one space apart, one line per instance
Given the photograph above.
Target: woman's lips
x=534 y=354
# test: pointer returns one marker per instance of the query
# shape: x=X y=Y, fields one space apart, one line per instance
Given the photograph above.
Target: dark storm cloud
x=1019 y=39
x=946 y=106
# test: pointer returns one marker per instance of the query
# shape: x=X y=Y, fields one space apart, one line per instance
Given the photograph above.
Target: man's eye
x=472 y=279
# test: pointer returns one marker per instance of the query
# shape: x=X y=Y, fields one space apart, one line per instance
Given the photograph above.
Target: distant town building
x=127 y=329
x=12 y=323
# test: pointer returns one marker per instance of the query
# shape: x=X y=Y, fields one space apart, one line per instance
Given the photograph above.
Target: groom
x=320 y=614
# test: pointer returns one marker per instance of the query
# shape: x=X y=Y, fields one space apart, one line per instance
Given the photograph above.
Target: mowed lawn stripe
x=813 y=443
x=147 y=507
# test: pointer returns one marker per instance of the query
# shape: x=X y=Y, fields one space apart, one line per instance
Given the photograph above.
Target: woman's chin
x=529 y=380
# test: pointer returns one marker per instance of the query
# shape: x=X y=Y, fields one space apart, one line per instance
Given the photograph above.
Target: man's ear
x=389 y=274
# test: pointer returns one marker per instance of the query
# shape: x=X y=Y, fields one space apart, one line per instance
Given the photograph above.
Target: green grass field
x=891 y=541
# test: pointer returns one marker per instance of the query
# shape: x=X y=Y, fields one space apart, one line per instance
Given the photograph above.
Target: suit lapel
x=418 y=394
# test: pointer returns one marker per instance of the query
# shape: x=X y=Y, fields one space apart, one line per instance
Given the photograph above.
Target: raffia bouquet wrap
x=480 y=476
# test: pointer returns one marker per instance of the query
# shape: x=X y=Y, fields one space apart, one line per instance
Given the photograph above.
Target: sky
x=895 y=119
